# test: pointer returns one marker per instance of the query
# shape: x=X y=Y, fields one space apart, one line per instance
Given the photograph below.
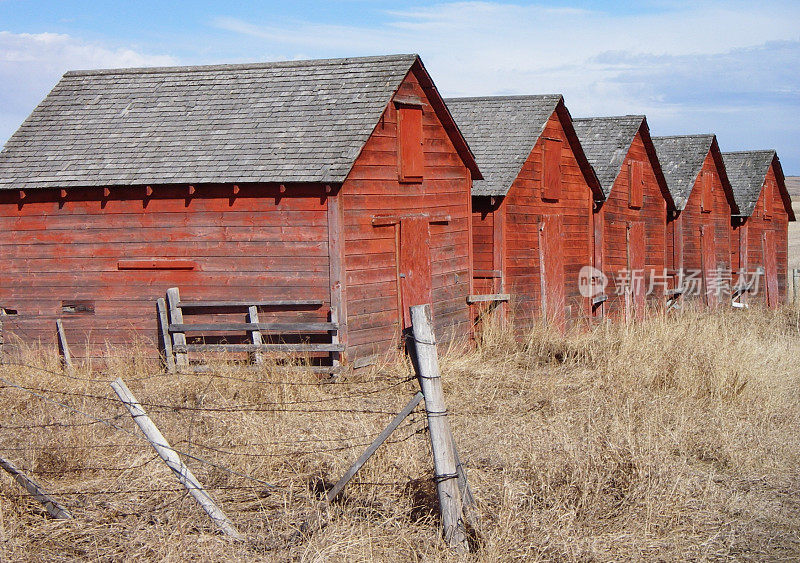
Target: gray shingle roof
x=501 y=131
x=681 y=158
x=298 y=121
x=606 y=141
x=747 y=171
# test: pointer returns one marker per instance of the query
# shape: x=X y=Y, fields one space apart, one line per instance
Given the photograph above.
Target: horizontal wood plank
x=246 y=304
x=326 y=347
x=488 y=297
x=274 y=328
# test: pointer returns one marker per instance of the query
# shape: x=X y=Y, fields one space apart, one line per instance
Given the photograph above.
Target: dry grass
x=677 y=438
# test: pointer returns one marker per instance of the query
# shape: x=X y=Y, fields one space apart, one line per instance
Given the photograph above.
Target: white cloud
x=688 y=65
x=677 y=63
x=31 y=64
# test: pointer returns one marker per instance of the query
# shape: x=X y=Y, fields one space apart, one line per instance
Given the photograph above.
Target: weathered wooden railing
x=291 y=339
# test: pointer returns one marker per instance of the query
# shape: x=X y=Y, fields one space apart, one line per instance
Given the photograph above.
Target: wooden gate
x=414 y=265
x=551 y=268
x=635 y=299
x=709 y=261
x=770 y=269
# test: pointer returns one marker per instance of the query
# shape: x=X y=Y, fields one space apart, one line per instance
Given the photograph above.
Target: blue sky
x=732 y=68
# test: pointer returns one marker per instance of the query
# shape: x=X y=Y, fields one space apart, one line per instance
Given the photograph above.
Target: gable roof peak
x=606 y=142
x=298 y=63
x=503 y=130
x=286 y=121
x=747 y=171
x=681 y=158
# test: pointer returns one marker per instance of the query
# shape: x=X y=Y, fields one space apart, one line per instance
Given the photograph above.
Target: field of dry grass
x=676 y=438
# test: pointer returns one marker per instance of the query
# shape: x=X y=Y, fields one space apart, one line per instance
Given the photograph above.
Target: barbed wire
x=251 y=407
x=126 y=431
x=56 y=424
x=308 y=452
x=35 y=392
x=74 y=447
x=212 y=374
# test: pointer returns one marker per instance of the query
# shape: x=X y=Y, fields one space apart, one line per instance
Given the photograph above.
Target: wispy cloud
x=30 y=64
x=682 y=65
x=729 y=67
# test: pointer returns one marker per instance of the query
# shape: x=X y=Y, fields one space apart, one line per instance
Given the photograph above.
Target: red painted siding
x=685 y=246
x=523 y=210
x=374 y=315
x=260 y=244
x=754 y=228
x=484 y=215
x=618 y=216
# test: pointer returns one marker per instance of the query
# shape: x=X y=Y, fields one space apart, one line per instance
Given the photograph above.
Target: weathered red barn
x=760 y=230
x=698 y=231
x=532 y=212
x=343 y=182
x=630 y=224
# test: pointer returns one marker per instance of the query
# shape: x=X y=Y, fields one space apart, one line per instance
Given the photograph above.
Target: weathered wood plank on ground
x=53 y=507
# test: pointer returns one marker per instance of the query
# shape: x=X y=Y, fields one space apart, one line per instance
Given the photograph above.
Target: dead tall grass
x=674 y=438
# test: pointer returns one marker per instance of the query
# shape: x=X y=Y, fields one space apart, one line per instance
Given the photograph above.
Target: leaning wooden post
x=176 y=317
x=363 y=458
x=53 y=507
x=63 y=346
x=445 y=470
x=173 y=461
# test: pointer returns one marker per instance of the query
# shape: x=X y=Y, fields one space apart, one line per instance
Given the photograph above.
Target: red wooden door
x=636 y=274
x=414 y=264
x=707 y=249
x=770 y=269
x=551 y=265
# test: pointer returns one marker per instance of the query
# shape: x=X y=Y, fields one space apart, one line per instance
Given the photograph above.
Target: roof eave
x=780 y=179
x=644 y=131
x=586 y=167
x=716 y=154
x=446 y=118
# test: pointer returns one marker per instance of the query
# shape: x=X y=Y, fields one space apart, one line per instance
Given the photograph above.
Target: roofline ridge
x=236 y=66
x=631 y=115
x=751 y=151
x=685 y=136
x=515 y=97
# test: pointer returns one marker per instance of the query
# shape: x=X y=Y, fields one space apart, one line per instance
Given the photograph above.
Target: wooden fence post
x=63 y=346
x=53 y=507
x=445 y=469
x=255 y=335
x=166 y=339
x=176 y=317
x=173 y=461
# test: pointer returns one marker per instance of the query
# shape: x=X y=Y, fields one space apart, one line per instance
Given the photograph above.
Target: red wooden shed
x=760 y=230
x=630 y=225
x=532 y=212
x=341 y=182
x=698 y=231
